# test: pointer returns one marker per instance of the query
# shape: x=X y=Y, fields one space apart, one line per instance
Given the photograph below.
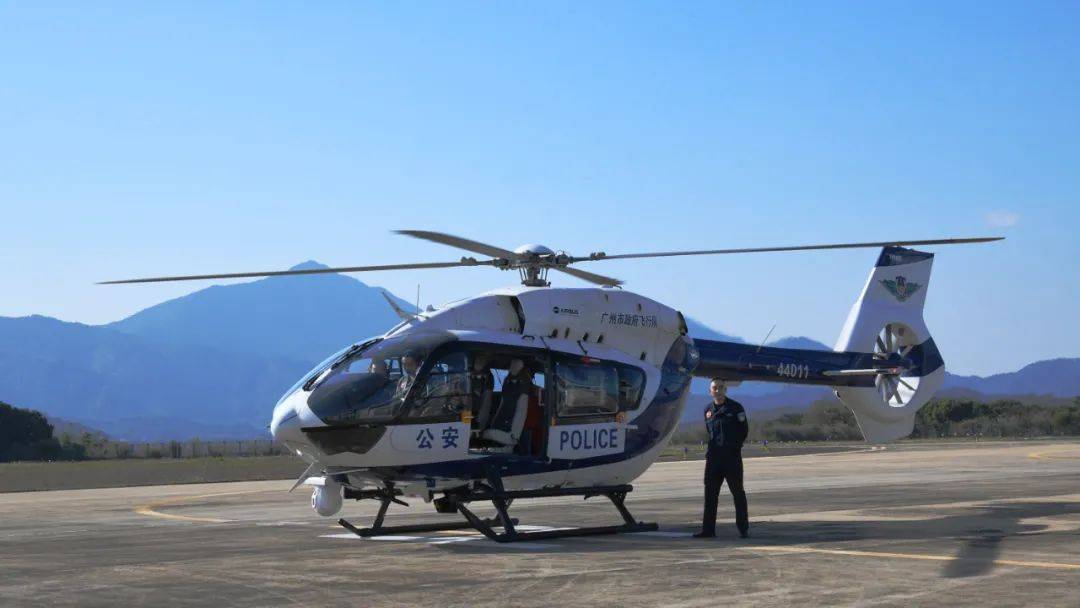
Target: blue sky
x=140 y=140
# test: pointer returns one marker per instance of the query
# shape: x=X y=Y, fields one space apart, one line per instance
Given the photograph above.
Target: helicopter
x=535 y=391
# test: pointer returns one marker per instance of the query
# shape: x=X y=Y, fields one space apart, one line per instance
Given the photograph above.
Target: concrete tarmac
x=963 y=524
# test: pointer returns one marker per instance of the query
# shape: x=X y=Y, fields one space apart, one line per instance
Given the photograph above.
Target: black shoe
x=704 y=534
x=744 y=533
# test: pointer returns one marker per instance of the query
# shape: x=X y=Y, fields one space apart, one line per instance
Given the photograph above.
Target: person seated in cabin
x=378 y=367
x=410 y=364
x=482 y=392
x=507 y=421
x=386 y=388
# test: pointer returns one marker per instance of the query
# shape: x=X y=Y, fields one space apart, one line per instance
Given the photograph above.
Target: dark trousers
x=724 y=465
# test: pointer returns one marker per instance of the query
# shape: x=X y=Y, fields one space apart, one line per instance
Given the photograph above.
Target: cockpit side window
x=444 y=391
x=358 y=390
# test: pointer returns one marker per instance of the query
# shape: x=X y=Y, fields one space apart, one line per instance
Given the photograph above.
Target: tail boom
x=745 y=362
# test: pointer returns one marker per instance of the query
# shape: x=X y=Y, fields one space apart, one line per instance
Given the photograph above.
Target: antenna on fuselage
x=762 y=345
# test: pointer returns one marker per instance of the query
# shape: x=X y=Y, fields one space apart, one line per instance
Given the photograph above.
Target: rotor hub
x=534 y=250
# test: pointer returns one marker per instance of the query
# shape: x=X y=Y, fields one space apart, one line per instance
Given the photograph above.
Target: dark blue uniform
x=728 y=427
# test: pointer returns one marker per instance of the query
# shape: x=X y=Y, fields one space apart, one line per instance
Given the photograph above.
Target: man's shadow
x=980 y=530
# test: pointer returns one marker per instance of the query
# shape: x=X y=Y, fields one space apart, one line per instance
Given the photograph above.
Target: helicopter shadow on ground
x=978 y=533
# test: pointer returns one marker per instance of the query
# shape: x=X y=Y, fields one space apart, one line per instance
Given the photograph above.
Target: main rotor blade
x=664 y=254
x=461 y=243
x=279 y=273
x=599 y=279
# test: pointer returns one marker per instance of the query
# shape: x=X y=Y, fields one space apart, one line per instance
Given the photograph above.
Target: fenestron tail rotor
x=894 y=341
x=534 y=261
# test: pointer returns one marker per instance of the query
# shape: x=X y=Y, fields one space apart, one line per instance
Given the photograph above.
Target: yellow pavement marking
x=1055 y=454
x=917 y=556
x=151 y=509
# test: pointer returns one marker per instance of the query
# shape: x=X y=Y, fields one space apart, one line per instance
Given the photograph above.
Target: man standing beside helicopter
x=725 y=419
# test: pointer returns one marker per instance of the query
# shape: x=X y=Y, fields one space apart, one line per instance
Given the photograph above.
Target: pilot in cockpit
x=378 y=366
x=410 y=364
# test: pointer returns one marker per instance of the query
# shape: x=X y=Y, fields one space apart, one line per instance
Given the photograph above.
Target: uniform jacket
x=727 y=424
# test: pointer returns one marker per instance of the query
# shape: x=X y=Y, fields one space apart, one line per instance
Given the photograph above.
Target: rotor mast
x=534 y=276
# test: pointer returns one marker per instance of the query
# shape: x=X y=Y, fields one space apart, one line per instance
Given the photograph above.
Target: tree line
x=27 y=435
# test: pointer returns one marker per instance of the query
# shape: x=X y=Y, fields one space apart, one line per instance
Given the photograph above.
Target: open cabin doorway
x=508 y=398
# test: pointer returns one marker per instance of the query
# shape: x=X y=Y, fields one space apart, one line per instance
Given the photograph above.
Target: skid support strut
x=385 y=497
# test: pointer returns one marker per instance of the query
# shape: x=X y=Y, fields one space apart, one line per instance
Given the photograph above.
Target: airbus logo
x=564 y=311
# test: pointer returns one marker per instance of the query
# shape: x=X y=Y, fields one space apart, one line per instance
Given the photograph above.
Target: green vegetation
x=1003 y=418
x=27 y=435
x=829 y=420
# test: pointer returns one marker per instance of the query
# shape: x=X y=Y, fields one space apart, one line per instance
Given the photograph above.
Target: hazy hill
x=700 y=330
x=74 y=429
x=1057 y=377
x=304 y=317
x=98 y=376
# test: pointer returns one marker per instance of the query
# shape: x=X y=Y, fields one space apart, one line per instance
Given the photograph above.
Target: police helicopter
x=536 y=391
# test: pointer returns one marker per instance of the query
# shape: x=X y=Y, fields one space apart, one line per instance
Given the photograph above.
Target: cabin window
x=586 y=389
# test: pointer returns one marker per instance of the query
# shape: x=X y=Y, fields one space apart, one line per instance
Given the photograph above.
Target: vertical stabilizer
x=887 y=320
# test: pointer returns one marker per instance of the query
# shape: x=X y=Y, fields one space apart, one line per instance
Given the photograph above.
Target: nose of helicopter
x=285 y=424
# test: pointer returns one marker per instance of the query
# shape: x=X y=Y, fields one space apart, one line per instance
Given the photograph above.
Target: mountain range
x=211 y=364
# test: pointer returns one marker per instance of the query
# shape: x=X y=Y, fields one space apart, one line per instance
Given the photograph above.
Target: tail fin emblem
x=900 y=288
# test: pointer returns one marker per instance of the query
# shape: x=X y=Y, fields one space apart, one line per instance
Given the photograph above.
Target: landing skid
x=501 y=499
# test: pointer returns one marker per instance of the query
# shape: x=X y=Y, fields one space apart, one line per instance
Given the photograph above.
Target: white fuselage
x=612 y=325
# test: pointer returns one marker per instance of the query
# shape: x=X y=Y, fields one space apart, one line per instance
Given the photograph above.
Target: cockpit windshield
x=309 y=378
x=372 y=383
